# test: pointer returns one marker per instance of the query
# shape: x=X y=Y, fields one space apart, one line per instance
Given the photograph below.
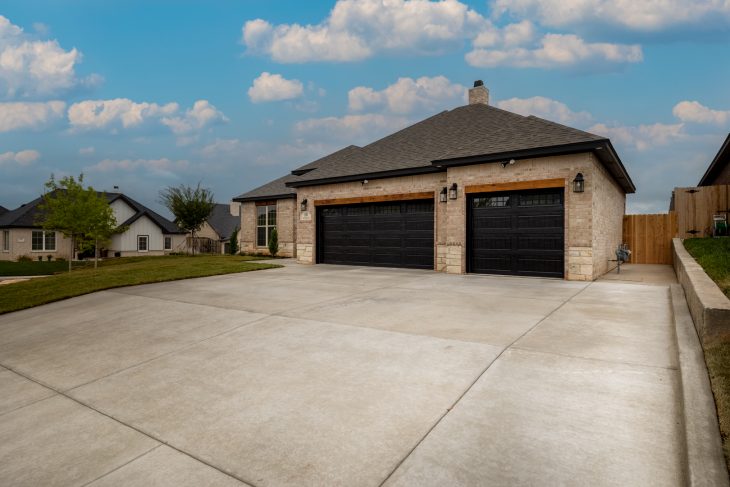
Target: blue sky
x=148 y=94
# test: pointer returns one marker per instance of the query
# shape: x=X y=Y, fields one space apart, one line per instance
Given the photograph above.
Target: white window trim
x=147 y=240
x=267 y=226
x=164 y=242
x=6 y=240
x=55 y=241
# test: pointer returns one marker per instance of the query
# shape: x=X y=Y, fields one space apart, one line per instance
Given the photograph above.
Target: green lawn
x=713 y=254
x=126 y=271
x=35 y=268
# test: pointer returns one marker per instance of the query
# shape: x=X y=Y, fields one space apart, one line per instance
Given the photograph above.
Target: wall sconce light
x=452 y=192
x=507 y=163
x=578 y=183
x=303 y=205
x=442 y=195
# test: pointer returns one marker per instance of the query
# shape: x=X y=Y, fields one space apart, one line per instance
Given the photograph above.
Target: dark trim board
x=375 y=198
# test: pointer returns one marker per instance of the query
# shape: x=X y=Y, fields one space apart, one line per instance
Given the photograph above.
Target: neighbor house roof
x=26 y=215
x=276 y=189
x=470 y=134
x=222 y=221
x=717 y=165
x=3 y=210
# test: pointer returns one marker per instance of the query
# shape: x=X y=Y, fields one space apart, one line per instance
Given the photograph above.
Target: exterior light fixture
x=578 y=183
x=303 y=205
x=442 y=195
x=507 y=163
x=452 y=192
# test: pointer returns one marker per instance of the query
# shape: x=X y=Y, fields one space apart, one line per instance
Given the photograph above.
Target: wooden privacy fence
x=695 y=208
x=650 y=237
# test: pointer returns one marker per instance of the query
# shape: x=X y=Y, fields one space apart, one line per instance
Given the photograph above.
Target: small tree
x=273 y=242
x=102 y=225
x=74 y=211
x=191 y=207
x=233 y=242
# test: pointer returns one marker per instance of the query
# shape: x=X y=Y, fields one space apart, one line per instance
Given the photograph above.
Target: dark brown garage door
x=517 y=233
x=392 y=234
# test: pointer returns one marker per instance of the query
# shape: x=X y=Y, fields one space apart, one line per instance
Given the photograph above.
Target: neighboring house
x=148 y=233
x=219 y=226
x=474 y=189
x=719 y=170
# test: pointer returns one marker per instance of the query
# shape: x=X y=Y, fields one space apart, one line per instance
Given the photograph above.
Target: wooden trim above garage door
x=426 y=195
x=516 y=186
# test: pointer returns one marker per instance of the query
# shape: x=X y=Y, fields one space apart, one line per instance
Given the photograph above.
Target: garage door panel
x=517 y=233
x=394 y=234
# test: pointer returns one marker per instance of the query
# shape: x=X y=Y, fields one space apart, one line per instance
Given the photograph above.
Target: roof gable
x=718 y=164
x=222 y=221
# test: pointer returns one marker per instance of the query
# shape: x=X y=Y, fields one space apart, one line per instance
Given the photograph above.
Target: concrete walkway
x=333 y=375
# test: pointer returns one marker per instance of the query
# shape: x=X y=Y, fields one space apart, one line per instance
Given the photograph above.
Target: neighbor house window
x=42 y=241
x=168 y=243
x=265 y=222
x=142 y=243
x=6 y=240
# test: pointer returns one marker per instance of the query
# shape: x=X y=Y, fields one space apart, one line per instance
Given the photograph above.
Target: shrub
x=24 y=258
x=40 y=258
x=233 y=242
x=49 y=257
x=273 y=242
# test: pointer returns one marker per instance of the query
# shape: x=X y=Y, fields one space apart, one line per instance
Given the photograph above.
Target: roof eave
x=711 y=170
x=246 y=199
x=372 y=175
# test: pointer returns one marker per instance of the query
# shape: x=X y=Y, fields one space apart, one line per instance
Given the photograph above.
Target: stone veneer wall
x=285 y=225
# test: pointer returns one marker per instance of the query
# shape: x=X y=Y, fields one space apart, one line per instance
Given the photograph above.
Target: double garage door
x=514 y=233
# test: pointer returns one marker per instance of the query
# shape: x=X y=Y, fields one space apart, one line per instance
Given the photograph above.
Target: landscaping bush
x=274 y=242
x=24 y=258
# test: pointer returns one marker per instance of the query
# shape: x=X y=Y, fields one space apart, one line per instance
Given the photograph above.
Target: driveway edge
x=704 y=462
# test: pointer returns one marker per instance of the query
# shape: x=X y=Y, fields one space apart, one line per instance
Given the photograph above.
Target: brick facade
x=286 y=228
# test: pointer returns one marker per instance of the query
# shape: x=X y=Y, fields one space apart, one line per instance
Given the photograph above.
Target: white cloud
x=641 y=137
x=694 y=111
x=162 y=167
x=357 y=29
x=118 y=112
x=294 y=153
x=546 y=108
x=84 y=151
x=200 y=116
x=510 y=35
x=644 y=16
x=351 y=128
x=408 y=95
x=22 y=158
x=554 y=51
x=274 y=87
x=31 y=68
x=27 y=115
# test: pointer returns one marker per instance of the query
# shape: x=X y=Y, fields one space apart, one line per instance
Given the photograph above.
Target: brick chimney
x=479 y=94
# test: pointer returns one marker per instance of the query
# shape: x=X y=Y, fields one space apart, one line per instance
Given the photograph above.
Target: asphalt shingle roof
x=276 y=189
x=222 y=221
x=3 y=210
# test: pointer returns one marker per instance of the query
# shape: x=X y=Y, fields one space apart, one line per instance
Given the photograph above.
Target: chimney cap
x=478 y=83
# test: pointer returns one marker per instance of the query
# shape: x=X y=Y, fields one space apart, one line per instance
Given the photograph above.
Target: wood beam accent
x=426 y=195
x=516 y=186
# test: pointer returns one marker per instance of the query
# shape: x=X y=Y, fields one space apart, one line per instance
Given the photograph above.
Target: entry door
x=517 y=233
x=392 y=234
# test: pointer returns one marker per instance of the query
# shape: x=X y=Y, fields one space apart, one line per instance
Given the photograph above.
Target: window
x=43 y=241
x=6 y=240
x=491 y=202
x=168 y=243
x=540 y=199
x=142 y=243
x=265 y=222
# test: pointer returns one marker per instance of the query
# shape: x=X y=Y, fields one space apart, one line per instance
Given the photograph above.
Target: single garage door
x=517 y=233
x=392 y=234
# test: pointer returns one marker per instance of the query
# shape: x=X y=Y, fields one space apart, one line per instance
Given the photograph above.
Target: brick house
x=474 y=189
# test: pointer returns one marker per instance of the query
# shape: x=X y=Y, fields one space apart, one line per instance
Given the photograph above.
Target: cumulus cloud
x=646 y=16
x=357 y=29
x=28 y=115
x=408 y=95
x=33 y=68
x=554 y=51
x=274 y=87
x=546 y=108
x=162 y=167
x=694 y=111
x=641 y=137
x=22 y=158
x=293 y=153
x=201 y=115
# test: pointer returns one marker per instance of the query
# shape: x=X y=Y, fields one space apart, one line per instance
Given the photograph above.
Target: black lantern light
x=442 y=195
x=303 y=205
x=578 y=183
x=452 y=192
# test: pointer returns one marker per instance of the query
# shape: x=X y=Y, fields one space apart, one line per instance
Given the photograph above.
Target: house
x=3 y=210
x=217 y=229
x=719 y=170
x=475 y=189
x=148 y=233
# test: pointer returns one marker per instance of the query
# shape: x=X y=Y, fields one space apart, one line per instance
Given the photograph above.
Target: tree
x=76 y=212
x=191 y=207
x=102 y=224
x=273 y=242
x=233 y=242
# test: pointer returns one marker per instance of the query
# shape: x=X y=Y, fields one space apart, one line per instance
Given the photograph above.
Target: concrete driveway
x=332 y=375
